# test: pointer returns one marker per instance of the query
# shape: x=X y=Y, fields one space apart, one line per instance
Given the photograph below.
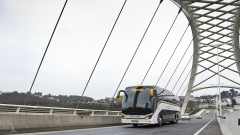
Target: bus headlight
x=123 y=116
x=148 y=116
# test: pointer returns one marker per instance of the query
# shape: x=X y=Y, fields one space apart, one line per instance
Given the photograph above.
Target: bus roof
x=149 y=86
x=143 y=85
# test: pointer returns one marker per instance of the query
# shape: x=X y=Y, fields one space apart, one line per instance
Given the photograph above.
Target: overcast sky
x=26 y=27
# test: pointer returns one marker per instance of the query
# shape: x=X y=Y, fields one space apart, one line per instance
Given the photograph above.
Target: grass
x=195 y=111
x=191 y=111
x=187 y=111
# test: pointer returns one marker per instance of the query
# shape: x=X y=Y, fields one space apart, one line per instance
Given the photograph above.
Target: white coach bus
x=149 y=104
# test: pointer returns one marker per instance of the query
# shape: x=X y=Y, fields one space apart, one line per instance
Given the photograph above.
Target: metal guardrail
x=36 y=110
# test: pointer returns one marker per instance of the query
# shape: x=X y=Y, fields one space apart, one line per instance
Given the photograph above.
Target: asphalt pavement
x=181 y=128
x=212 y=129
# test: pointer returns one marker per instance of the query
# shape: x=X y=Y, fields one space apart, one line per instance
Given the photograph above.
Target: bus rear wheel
x=135 y=125
x=175 y=120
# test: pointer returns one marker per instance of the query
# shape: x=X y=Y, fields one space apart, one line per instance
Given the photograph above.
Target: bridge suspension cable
x=137 y=49
x=179 y=61
x=161 y=45
x=170 y=57
x=184 y=90
x=102 y=51
x=182 y=73
x=185 y=79
x=45 y=51
x=185 y=66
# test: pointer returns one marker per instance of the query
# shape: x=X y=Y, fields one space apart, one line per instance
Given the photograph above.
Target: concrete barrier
x=230 y=110
x=223 y=128
x=194 y=116
x=229 y=123
x=31 y=123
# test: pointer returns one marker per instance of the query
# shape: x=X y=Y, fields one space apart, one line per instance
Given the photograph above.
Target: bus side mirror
x=118 y=94
x=151 y=93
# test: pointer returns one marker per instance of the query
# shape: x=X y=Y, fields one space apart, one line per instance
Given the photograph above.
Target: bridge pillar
x=196 y=49
x=236 y=41
x=184 y=106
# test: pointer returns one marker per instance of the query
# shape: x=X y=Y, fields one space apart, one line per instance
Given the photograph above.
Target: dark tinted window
x=137 y=97
x=159 y=90
x=168 y=97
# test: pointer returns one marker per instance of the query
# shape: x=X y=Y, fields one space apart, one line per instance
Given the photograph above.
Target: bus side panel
x=169 y=115
x=167 y=111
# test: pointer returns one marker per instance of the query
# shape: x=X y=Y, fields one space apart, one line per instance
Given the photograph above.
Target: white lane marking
x=63 y=131
x=204 y=126
x=129 y=132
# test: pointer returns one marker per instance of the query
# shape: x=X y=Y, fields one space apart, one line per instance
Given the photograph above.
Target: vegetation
x=229 y=94
x=63 y=101
x=187 y=111
x=195 y=111
x=192 y=105
x=207 y=98
x=86 y=102
x=210 y=107
x=19 y=99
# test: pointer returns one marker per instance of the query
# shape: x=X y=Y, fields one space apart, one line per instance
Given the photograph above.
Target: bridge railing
x=36 y=110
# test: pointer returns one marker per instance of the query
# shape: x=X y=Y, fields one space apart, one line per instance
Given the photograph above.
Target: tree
x=234 y=92
x=191 y=104
x=234 y=102
x=224 y=94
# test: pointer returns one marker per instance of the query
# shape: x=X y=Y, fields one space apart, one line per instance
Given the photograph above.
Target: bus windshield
x=137 y=97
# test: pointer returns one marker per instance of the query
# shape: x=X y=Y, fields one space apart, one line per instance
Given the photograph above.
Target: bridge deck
x=212 y=129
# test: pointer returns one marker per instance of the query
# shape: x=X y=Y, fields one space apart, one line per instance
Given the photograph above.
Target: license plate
x=135 y=121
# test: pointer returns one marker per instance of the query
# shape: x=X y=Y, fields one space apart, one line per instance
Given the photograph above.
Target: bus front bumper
x=137 y=121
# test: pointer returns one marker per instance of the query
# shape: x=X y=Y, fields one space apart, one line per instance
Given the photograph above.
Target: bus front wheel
x=159 y=121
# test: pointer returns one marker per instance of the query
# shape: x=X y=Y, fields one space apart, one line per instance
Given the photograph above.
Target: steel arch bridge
x=214 y=86
x=213 y=22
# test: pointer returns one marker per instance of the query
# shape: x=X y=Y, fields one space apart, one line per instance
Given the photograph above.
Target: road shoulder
x=212 y=128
